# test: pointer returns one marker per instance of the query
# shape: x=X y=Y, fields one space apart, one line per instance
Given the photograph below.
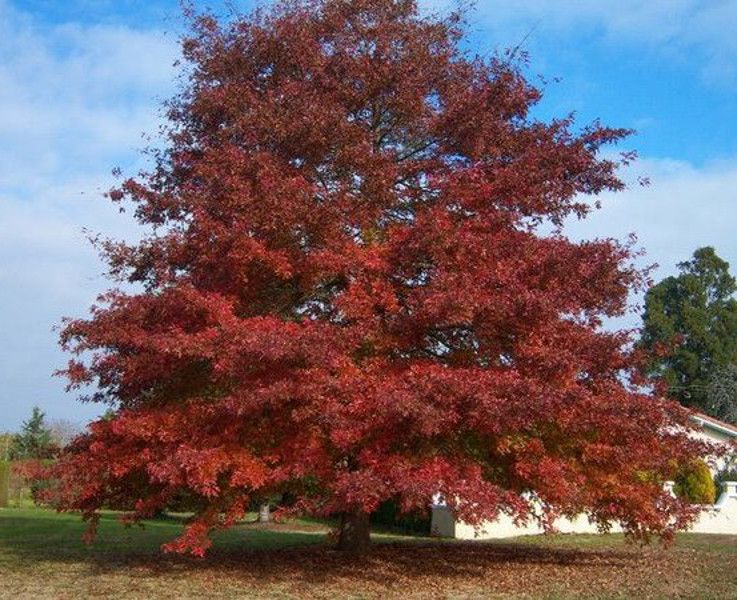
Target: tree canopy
x=690 y=330
x=351 y=293
x=34 y=440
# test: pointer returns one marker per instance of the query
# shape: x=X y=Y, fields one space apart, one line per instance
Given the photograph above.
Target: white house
x=715 y=430
x=717 y=518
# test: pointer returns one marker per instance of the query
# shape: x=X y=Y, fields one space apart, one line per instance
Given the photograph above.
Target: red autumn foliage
x=353 y=292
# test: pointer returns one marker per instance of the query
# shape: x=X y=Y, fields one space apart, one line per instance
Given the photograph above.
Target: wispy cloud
x=74 y=101
x=683 y=30
x=682 y=209
x=89 y=90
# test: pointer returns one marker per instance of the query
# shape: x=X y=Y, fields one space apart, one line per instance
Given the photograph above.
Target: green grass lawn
x=42 y=556
x=34 y=533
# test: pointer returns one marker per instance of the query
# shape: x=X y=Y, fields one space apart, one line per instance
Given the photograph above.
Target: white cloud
x=74 y=102
x=702 y=30
x=91 y=91
x=682 y=209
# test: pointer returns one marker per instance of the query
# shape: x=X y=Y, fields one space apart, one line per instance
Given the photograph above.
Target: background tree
x=63 y=431
x=348 y=295
x=694 y=316
x=721 y=393
x=6 y=443
x=34 y=440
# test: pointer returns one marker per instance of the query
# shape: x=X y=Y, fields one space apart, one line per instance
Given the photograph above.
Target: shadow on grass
x=277 y=554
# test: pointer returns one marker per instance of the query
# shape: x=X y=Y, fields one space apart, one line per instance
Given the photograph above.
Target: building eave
x=715 y=424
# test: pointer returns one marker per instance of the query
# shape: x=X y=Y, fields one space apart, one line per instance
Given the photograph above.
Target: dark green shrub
x=388 y=515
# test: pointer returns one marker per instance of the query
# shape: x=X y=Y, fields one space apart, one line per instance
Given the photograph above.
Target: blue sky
x=81 y=80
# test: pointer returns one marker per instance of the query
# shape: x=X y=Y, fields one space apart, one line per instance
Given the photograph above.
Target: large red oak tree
x=355 y=288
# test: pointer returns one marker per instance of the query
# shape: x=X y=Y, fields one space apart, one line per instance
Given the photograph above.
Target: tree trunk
x=354 y=535
x=264 y=513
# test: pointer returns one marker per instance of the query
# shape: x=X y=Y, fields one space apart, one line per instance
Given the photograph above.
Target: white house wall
x=718 y=518
x=722 y=516
x=710 y=435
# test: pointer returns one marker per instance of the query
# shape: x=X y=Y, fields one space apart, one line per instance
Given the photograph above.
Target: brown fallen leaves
x=468 y=570
x=406 y=570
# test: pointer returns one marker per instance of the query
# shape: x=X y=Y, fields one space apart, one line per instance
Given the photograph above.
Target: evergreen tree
x=34 y=440
x=693 y=316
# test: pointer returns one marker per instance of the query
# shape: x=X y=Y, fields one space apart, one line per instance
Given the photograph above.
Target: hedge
x=694 y=483
x=4 y=483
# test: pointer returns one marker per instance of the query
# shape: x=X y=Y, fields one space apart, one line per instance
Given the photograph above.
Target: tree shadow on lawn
x=418 y=569
x=282 y=555
x=411 y=561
